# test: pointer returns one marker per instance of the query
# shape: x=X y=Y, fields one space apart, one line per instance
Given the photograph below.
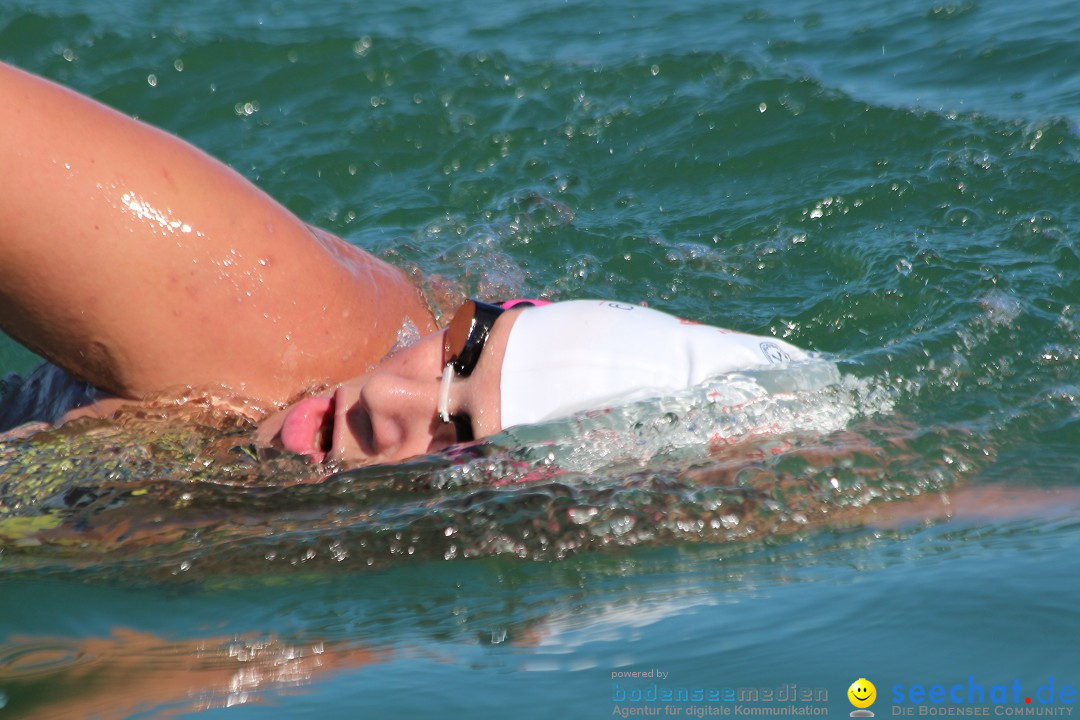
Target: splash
x=763 y=405
x=743 y=456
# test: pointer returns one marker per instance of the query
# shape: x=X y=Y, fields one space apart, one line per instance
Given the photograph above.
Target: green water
x=890 y=184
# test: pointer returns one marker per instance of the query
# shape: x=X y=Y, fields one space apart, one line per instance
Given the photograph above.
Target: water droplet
x=580 y=516
x=623 y=525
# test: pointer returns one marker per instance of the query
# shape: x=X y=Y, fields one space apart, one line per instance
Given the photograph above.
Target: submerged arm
x=137 y=262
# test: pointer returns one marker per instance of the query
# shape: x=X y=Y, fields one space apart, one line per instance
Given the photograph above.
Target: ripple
x=28 y=660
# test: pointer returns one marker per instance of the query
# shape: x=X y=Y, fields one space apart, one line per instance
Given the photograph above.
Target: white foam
x=811 y=397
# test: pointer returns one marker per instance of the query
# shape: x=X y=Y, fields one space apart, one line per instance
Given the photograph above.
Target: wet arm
x=138 y=262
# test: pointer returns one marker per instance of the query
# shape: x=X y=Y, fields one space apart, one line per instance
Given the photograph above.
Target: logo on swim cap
x=773 y=352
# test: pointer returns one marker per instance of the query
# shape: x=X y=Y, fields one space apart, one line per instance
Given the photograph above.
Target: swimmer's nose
x=396 y=416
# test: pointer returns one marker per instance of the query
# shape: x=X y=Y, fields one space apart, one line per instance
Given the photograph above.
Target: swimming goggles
x=464 y=341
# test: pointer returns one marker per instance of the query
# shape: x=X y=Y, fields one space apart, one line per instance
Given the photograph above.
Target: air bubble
x=580 y=516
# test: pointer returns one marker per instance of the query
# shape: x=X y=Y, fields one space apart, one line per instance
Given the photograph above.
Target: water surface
x=890 y=185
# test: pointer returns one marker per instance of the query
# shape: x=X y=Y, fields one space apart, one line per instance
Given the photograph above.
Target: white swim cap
x=583 y=354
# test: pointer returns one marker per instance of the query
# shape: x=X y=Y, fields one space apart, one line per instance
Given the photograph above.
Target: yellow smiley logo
x=862 y=693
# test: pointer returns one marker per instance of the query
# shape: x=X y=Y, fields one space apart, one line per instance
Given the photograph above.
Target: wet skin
x=187 y=274
x=391 y=413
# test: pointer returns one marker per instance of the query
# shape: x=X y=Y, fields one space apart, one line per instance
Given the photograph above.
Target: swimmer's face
x=392 y=412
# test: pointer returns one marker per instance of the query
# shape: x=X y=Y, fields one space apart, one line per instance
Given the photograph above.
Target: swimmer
x=137 y=263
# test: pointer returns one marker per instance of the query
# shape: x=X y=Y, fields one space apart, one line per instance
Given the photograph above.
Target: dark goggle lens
x=463 y=431
x=466 y=335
